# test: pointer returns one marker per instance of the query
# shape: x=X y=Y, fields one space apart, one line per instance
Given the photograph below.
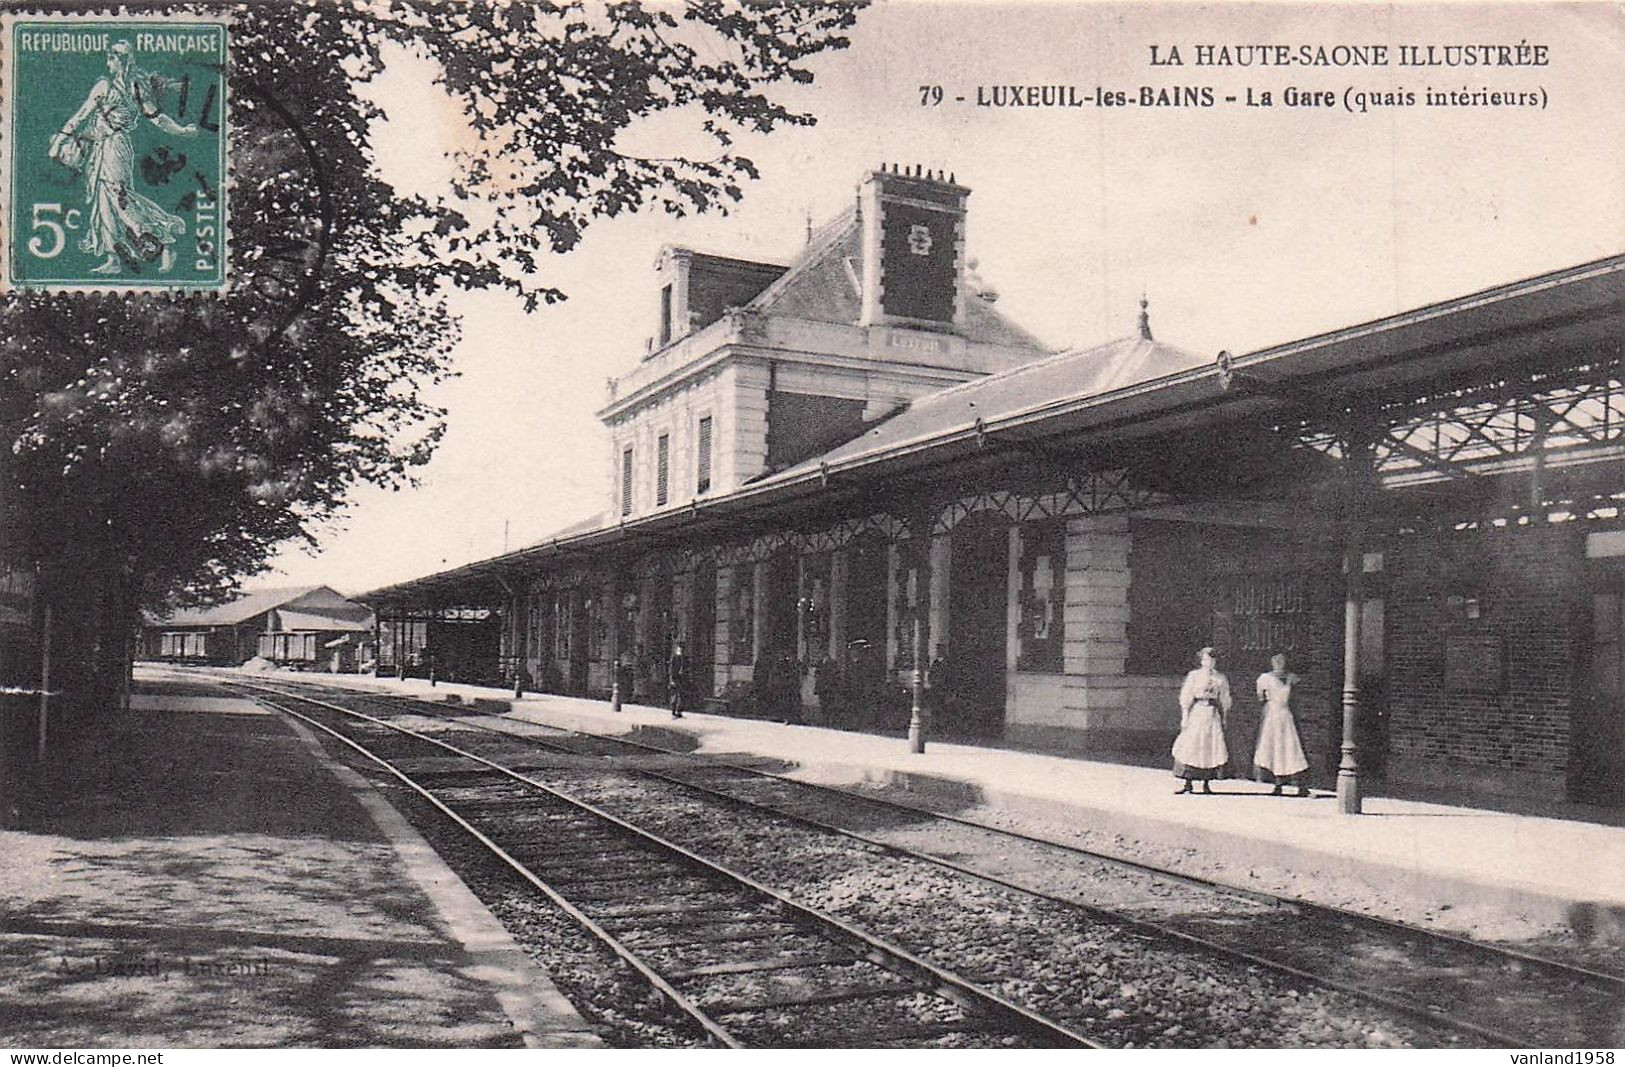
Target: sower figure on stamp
x=677 y=679
x=1199 y=751
x=121 y=224
x=1280 y=752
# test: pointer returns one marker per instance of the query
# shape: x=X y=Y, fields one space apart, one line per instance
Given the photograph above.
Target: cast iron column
x=1348 y=769
x=916 y=716
x=518 y=641
x=1356 y=471
x=920 y=579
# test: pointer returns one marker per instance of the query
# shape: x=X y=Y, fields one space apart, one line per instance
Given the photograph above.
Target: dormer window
x=697 y=289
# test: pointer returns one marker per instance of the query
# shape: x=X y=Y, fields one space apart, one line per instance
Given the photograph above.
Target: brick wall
x=1527 y=583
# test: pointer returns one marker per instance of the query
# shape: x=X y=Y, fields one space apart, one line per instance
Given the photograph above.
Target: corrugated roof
x=1077 y=373
x=239 y=610
x=591 y=522
x=310 y=620
x=259 y=602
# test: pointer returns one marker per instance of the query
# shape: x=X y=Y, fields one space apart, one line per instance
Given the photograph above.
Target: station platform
x=200 y=873
x=1492 y=874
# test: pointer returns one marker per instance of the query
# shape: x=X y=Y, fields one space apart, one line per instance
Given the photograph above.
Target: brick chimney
x=913 y=248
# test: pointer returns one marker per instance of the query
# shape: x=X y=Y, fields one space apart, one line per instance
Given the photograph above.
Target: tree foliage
x=173 y=442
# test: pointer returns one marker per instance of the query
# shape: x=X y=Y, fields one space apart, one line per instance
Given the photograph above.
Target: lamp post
x=1357 y=465
x=916 y=717
x=1348 y=767
x=615 y=686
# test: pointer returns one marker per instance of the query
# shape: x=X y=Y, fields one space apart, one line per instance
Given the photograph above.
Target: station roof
x=256 y=603
x=1093 y=371
x=319 y=621
x=822 y=285
x=1134 y=390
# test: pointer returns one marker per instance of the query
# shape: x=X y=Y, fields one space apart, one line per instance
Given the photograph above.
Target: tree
x=159 y=446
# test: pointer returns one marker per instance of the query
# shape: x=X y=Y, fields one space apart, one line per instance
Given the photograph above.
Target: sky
x=1243 y=226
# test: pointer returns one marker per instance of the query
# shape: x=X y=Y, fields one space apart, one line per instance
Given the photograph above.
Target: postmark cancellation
x=113 y=152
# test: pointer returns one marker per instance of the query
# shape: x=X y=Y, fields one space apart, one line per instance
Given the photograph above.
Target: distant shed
x=292 y=627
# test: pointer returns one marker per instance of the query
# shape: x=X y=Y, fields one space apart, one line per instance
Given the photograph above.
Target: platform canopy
x=1449 y=398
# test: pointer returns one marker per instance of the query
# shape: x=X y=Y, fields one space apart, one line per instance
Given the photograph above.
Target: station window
x=813 y=605
x=288 y=648
x=182 y=645
x=702 y=450
x=1042 y=624
x=536 y=613
x=597 y=627
x=662 y=468
x=1171 y=601
x=626 y=482
x=665 y=314
x=561 y=627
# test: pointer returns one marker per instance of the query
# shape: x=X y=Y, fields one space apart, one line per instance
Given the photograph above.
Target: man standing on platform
x=677 y=679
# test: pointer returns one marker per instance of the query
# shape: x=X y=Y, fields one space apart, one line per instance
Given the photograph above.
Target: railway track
x=1472 y=987
x=748 y=965
x=1485 y=992
x=1501 y=997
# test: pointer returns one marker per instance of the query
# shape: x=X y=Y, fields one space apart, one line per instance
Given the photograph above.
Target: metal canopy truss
x=1563 y=418
x=459 y=613
x=1602 y=507
x=1099 y=492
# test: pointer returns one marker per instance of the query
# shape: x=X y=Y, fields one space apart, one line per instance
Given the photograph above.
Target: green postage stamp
x=113 y=152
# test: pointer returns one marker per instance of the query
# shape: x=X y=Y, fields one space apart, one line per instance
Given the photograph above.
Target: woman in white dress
x=1280 y=752
x=1199 y=751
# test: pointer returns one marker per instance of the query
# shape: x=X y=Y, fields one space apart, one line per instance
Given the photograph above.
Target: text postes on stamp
x=114 y=152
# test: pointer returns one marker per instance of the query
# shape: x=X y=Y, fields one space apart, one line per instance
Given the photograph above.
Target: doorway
x=702 y=636
x=1598 y=733
x=859 y=698
x=972 y=703
x=575 y=636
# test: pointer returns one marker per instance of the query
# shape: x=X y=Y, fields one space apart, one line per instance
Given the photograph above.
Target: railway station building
x=305 y=626
x=828 y=473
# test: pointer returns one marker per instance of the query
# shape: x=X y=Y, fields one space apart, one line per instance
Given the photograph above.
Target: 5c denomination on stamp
x=113 y=140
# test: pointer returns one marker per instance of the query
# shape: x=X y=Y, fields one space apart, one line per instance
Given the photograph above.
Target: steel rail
x=1331 y=913
x=687 y=1007
x=1328 y=913
x=1324 y=915
x=877 y=950
x=1143 y=926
